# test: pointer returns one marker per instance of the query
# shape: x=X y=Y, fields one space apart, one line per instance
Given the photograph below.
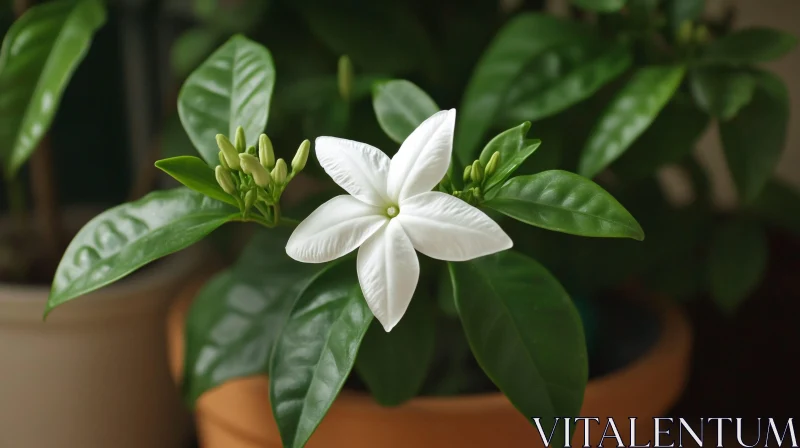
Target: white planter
x=95 y=375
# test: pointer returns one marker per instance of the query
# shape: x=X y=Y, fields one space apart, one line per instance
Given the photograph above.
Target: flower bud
x=345 y=77
x=251 y=166
x=224 y=179
x=701 y=34
x=250 y=199
x=301 y=157
x=491 y=165
x=241 y=141
x=477 y=171
x=251 y=150
x=467 y=173
x=265 y=153
x=279 y=172
x=222 y=161
x=228 y=151
x=684 y=34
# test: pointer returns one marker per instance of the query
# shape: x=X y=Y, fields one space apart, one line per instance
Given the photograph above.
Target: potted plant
x=96 y=374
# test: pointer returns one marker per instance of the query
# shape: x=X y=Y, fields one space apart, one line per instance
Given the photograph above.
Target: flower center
x=392 y=211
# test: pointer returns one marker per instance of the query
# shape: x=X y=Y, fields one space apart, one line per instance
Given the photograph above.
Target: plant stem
x=44 y=200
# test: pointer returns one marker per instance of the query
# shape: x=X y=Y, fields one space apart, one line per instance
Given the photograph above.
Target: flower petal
x=423 y=158
x=334 y=229
x=388 y=271
x=447 y=228
x=359 y=168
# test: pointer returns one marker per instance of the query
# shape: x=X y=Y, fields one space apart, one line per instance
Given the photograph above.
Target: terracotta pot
x=96 y=373
x=238 y=415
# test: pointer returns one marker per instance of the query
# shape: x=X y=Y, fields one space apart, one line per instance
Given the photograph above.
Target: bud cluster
x=474 y=178
x=253 y=176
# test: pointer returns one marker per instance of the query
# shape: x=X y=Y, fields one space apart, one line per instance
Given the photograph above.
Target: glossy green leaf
x=722 y=91
x=670 y=138
x=40 y=53
x=561 y=77
x=233 y=87
x=600 y=5
x=395 y=364
x=523 y=38
x=754 y=139
x=565 y=202
x=513 y=149
x=628 y=116
x=737 y=262
x=125 y=238
x=237 y=317
x=400 y=107
x=777 y=205
x=750 y=45
x=680 y=11
x=195 y=174
x=525 y=333
x=191 y=48
x=315 y=352
x=386 y=37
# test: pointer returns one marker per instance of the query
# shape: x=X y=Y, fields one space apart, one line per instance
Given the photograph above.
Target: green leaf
x=600 y=5
x=525 y=333
x=233 y=87
x=523 y=38
x=628 y=115
x=513 y=148
x=394 y=365
x=195 y=174
x=237 y=317
x=315 y=352
x=127 y=237
x=385 y=37
x=561 y=77
x=778 y=204
x=191 y=48
x=754 y=139
x=670 y=138
x=737 y=262
x=680 y=11
x=40 y=53
x=722 y=91
x=565 y=202
x=749 y=45
x=400 y=107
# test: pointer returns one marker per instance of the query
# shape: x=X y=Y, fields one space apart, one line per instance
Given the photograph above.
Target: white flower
x=391 y=211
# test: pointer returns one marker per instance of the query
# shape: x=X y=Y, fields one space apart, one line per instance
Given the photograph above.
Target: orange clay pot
x=238 y=413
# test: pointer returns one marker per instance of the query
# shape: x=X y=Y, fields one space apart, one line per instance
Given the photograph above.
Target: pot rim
x=669 y=353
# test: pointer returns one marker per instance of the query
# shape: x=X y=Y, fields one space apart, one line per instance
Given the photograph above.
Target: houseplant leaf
x=565 y=202
x=191 y=48
x=749 y=45
x=680 y=11
x=722 y=91
x=754 y=139
x=525 y=333
x=233 y=87
x=400 y=107
x=523 y=38
x=778 y=204
x=600 y=5
x=513 y=149
x=40 y=53
x=237 y=317
x=395 y=364
x=195 y=174
x=629 y=114
x=309 y=366
x=670 y=138
x=561 y=77
x=737 y=262
x=124 y=238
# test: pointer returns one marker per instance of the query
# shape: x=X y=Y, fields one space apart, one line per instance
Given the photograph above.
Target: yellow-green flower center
x=392 y=211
